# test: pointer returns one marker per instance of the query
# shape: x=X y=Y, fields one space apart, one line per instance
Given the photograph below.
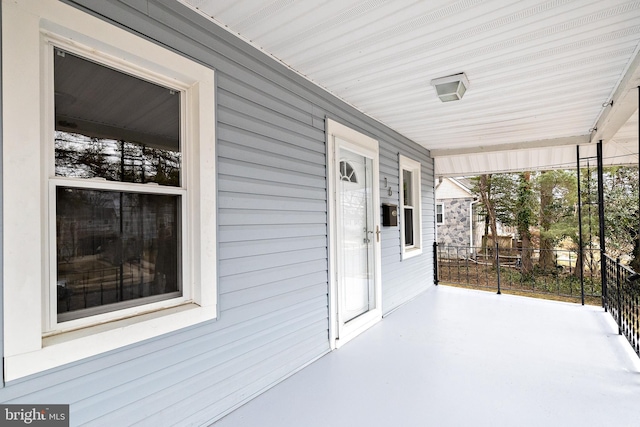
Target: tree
x=524 y=219
x=549 y=200
x=558 y=196
x=505 y=193
x=497 y=195
x=509 y=198
x=483 y=189
x=621 y=213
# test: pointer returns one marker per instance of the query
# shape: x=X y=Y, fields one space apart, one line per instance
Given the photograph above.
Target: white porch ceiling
x=539 y=71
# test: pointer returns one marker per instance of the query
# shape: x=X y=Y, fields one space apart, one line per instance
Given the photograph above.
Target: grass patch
x=589 y=300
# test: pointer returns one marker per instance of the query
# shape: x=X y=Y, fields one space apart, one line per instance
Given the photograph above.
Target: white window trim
x=28 y=29
x=51 y=325
x=442 y=214
x=414 y=167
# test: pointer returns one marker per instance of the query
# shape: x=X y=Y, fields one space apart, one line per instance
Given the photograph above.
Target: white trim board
x=338 y=134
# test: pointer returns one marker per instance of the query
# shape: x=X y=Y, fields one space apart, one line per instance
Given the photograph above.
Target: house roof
x=454 y=188
x=543 y=74
x=466 y=183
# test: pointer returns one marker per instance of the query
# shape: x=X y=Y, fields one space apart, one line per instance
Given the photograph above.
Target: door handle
x=366 y=240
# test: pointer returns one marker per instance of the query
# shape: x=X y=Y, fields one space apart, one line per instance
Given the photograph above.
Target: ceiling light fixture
x=451 y=88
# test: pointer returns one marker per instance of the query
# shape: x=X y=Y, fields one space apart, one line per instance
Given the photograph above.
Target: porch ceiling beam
x=543 y=143
x=625 y=103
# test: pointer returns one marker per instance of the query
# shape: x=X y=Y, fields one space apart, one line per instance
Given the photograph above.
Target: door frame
x=359 y=143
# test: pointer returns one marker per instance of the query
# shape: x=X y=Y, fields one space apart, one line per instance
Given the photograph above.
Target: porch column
x=580 y=251
x=603 y=261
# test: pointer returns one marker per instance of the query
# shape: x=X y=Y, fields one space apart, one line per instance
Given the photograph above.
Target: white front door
x=356 y=276
x=355 y=233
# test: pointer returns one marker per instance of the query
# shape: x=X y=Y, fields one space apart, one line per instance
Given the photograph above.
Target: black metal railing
x=621 y=297
x=553 y=271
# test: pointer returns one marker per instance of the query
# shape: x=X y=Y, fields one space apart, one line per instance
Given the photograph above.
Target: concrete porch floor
x=457 y=357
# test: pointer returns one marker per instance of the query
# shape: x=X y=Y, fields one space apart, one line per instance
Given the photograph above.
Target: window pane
x=347 y=173
x=408 y=226
x=112 y=125
x=115 y=250
x=407 y=187
x=80 y=156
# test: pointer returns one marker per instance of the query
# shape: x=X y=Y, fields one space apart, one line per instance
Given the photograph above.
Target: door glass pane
x=115 y=250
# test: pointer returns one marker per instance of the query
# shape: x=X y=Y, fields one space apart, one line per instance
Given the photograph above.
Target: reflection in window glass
x=407 y=182
x=113 y=125
x=408 y=227
x=407 y=187
x=115 y=248
x=80 y=156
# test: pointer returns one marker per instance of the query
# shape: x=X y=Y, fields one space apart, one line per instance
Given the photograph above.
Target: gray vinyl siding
x=272 y=243
x=402 y=279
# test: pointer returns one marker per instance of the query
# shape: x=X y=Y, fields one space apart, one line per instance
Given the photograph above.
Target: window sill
x=72 y=346
x=410 y=253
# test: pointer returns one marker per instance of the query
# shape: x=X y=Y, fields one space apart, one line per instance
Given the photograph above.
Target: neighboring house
x=458 y=221
x=456 y=213
x=186 y=221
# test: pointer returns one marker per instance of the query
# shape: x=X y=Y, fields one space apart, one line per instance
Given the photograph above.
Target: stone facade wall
x=455 y=230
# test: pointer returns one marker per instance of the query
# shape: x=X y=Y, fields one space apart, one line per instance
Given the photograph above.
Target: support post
x=498 y=266
x=435 y=263
x=619 y=304
x=580 y=249
x=603 y=261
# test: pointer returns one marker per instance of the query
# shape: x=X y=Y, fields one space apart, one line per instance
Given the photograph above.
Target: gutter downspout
x=471 y=231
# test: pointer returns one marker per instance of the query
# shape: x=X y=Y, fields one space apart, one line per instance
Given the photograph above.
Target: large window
x=117 y=245
x=109 y=153
x=410 y=202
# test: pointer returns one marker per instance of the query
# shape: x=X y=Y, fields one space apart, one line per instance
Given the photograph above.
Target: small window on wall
x=410 y=202
x=439 y=213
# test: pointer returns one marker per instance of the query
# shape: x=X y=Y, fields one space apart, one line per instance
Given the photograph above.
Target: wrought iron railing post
x=458 y=261
x=498 y=266
x=604 y=279
x=435 y=263
x=618 y=286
